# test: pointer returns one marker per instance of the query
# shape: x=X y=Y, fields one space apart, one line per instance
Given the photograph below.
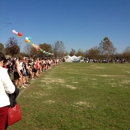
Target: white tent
x=72 y=58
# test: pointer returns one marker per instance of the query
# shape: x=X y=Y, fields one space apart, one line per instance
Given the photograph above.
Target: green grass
x=78 y=96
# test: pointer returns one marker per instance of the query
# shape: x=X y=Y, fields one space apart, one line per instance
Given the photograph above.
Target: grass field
x=77 y=96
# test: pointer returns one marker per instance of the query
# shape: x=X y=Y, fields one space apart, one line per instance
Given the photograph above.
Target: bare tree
x=59 y=49
x=106 y=47
x=28 y=49
x=12 y=47
x=1 y=47
x=33 y=52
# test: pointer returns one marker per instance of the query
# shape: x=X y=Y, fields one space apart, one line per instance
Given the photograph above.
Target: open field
x=77 y=96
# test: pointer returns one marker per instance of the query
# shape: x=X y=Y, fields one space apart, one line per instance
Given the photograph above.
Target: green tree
x=80 y=53
x=1 y=47
x=45 y=47
x=12 y=47
x=94 y=52
x=86 y=54
x=72 y=52
x=126 y=53
x=106 y=47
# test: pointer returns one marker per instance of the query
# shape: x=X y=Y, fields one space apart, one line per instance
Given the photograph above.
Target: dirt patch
x=111 y=75
x=97 y=67
x=71 y=87
x=49 y=80
x=127 y=72
x=37 y=95
x=49 y=101
x=125 y=82
x=93 y=79
x=86 y=104
x=74 y=82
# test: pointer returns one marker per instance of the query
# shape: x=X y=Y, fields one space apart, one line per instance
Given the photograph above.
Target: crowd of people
x=104 y=60
x=24 y=69
x=16 y=73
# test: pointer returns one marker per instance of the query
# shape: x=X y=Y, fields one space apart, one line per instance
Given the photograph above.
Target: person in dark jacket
x=12 y=98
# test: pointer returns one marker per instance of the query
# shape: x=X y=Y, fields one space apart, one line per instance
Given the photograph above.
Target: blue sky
x=79 y=24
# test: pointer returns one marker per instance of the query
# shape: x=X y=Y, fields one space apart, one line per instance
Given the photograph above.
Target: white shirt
x=6 y=87
x=20 y=65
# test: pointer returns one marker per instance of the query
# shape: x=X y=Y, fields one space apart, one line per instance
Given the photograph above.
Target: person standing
x=6 y=87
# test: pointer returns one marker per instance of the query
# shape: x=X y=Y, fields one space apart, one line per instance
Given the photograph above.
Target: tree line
x=105 y=49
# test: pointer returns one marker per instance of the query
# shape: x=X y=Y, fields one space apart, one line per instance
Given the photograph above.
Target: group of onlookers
x=24 y=69
x=19 y=70
x=104 y=60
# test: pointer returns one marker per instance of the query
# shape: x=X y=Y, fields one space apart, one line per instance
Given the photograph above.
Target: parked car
x=104 y=60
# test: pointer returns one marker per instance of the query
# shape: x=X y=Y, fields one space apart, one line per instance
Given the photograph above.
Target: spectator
x=6 y=87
